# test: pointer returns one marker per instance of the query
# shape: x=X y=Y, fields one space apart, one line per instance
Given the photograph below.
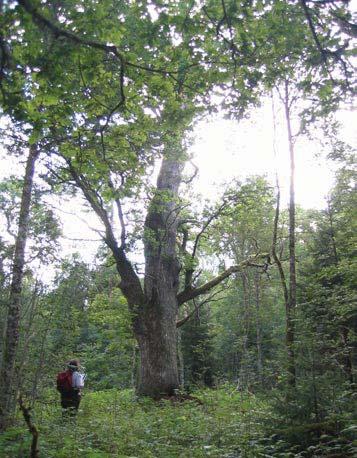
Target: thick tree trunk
x=154 y=307
x=156 y=321
x=158 y=351
x=13 y=316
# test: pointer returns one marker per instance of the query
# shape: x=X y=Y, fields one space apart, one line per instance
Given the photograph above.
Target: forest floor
x=114 y=423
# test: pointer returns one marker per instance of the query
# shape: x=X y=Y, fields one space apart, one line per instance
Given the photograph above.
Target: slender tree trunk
x=2 y=273
x=282 y=274
x=2 y=305
x=7 y=394
x=244 y=371
x=39 y=367
x=289 y=332
x=347 y=354
x=28 y=315
x=314 y=388
x=258 y=328
x=290 y=312
x=332 y=234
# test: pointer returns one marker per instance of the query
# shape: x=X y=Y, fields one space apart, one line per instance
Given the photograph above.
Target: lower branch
x=190 y=293
x=34 y=453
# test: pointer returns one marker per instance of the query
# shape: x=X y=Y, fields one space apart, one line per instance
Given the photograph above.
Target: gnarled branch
x=32 y=428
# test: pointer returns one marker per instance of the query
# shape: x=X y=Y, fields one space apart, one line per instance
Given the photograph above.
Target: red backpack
x=64 y=382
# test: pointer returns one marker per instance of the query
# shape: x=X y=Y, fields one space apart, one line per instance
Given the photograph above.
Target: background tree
x=14 y=303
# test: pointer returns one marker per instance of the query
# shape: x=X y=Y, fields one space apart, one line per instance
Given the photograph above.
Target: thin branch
x=74 y=239
x=205 y=226
x=130 y=282
x=189 y=272
x=198 y=307
x=196 y=276
x=99 y=102
x=196 y=170
x=57 y=31
x=120 y=215
x=8 y=225
x=313 y=31
x=336 y=55
x=83 y=220
x=190 y=293
x=347 y=27
x=327 y=2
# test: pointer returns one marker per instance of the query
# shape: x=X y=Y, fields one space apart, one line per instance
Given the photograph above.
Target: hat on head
x=73 y=364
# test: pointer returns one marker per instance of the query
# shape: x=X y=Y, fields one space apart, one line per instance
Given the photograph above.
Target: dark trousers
x=70 y=403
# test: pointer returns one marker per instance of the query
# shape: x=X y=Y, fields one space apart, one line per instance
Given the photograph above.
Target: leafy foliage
x=227 y=423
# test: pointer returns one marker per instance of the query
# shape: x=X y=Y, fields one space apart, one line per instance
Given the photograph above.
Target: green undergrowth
x=113 y=423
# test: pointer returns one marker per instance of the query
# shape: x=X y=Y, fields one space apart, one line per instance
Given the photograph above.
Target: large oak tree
x=110 y=89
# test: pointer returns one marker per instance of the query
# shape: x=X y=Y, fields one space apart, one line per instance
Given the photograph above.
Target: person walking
x=70 y=384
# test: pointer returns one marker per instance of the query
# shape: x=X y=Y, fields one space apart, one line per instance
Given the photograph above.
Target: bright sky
x=227 y=149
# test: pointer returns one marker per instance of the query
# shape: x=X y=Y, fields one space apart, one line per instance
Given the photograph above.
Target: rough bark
x=156 y=331
x=7 y=396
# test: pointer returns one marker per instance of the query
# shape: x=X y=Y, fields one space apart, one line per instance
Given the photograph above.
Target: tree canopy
x=99 y=99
